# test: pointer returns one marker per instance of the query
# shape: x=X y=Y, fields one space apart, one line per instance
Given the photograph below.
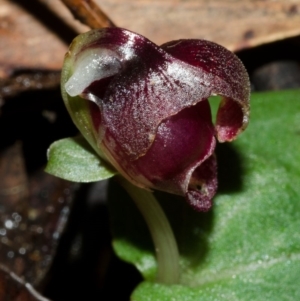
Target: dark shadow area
x=125 y=218
x=230 y=168
x=49 y=19
x=273 y=66
x=85 y=267
x=24 y=118
x=287 y=49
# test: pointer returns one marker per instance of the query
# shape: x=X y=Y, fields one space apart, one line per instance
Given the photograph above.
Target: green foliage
x=74 y=159
x=248 y=246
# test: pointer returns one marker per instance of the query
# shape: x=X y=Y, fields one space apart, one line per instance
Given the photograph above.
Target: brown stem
x=89 y=13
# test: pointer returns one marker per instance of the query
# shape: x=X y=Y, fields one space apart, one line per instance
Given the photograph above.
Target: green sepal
x=74 y=159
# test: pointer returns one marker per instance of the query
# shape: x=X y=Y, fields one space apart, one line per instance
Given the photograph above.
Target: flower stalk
x=166 y=249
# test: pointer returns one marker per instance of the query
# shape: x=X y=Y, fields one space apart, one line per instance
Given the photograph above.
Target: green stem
x=163 y=238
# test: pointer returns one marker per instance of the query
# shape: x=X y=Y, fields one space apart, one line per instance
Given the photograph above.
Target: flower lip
x=139 y=87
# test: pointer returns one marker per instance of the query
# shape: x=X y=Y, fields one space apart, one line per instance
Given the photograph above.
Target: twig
x=89 y=13
x=28 y=81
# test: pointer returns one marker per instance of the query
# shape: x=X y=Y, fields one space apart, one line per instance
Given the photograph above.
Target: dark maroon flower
x=144 y=108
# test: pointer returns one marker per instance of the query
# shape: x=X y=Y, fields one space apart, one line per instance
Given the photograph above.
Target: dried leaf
x=44 y=30
x=233 y=24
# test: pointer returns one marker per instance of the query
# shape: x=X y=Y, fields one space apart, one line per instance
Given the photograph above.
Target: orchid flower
x=144 y=108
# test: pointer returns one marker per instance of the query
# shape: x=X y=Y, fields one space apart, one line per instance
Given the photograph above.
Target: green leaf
x=74 y=159
x=248 y=246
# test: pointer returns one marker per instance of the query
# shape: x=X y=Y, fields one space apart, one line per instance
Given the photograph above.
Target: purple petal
x=228 y=79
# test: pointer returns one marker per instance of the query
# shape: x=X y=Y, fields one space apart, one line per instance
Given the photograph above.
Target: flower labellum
x=144 y=108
